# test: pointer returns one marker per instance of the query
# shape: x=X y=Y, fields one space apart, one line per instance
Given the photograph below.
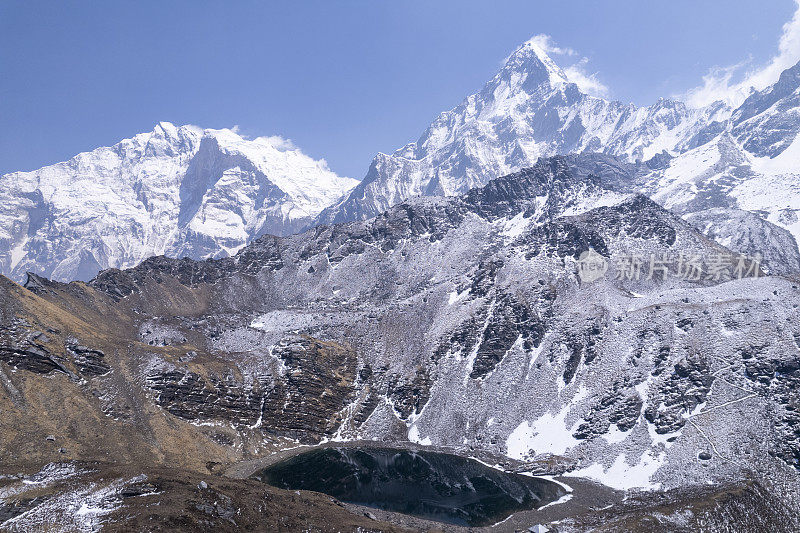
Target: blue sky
x=342 y=79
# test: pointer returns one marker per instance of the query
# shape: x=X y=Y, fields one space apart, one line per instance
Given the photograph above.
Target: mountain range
x=529 y=109
x=460 y=323
x=183 y=191
x=736 y=161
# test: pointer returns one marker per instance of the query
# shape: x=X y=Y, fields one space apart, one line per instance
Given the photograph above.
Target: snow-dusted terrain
x=749 y=161
x=471 y=329
x=181 y=191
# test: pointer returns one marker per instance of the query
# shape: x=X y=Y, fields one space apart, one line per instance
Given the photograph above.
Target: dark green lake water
x=431 y=485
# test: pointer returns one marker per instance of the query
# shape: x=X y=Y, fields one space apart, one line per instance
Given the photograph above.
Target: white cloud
x=545 y=42
x=577 y=72
x=586 y=81
x=279 y=143
x=276 y=141
x=732 y=84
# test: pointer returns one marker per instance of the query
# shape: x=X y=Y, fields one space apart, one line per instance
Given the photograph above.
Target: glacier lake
x=431 y=485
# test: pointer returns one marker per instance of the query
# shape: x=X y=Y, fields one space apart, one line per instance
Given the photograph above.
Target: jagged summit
x=532 y=64
x=758 y=101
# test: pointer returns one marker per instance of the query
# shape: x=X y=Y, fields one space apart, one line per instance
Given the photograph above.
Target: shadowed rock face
x=32 y=359
x=457 y=322
x=409 y=397
x=26 y=354
x=687 y=387
x=190 y=397
x=509 y=321
x=621 y=406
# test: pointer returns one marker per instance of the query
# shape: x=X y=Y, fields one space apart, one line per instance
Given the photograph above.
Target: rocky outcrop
x=191 y=397
x=777 y=376
x=304 y=402
x=509 y=322
x=410 y=397
x=24 y=349
x=265 y=253
x=90 y=363
x=683 y=390
x=308 y=401
x=621 y=407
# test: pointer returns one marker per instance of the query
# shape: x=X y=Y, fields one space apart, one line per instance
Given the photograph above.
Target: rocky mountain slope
x=465 y=323
x=747 y=232
x=180 y=191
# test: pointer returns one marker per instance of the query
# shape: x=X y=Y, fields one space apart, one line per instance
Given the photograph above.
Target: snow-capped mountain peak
x=309 y=182
x=531 y=64
x=528 y=109
x=689 y=159
x=176 y=190
x=183 y=190
x=758 y=101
